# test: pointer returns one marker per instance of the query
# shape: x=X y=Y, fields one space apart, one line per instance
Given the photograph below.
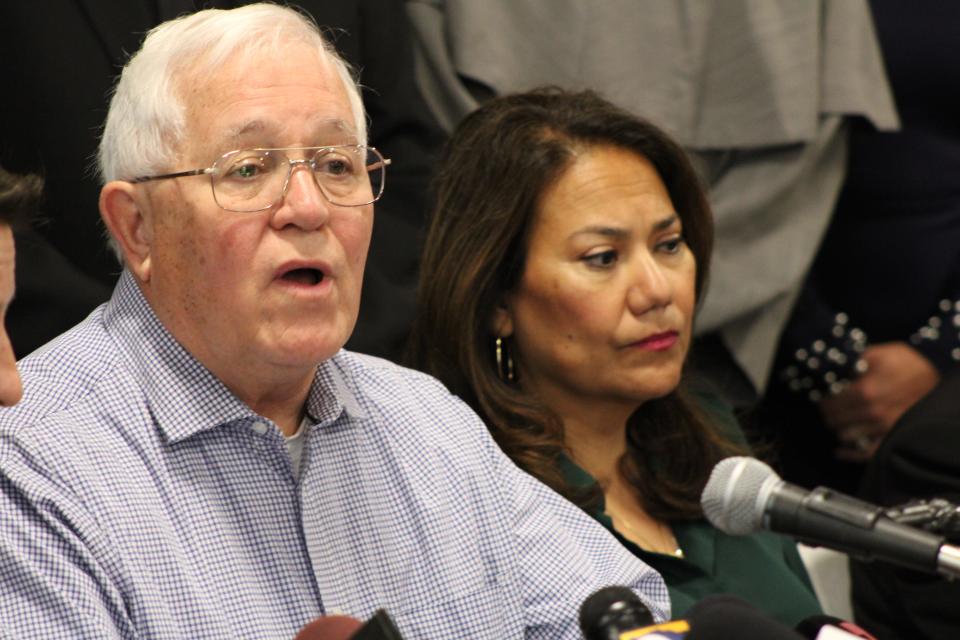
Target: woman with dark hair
x=569 y=244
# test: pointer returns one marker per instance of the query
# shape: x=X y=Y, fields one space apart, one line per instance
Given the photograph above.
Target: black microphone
x=717 y=617
x=720 y=617
x=744 y=495
x=612 y=611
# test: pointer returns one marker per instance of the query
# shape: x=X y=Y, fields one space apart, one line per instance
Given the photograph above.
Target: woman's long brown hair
x=499 y=161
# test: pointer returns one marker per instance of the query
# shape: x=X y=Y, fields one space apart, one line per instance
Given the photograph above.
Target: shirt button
x=259 y=428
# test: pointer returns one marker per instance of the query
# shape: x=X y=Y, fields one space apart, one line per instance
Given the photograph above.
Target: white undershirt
x=295 y=447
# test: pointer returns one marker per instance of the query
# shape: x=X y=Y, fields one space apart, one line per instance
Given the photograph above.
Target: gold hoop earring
x=503 y=357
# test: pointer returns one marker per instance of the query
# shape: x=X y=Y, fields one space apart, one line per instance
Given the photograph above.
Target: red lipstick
x=658 y=341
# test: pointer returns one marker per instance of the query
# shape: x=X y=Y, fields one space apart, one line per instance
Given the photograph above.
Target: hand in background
x=864 y=412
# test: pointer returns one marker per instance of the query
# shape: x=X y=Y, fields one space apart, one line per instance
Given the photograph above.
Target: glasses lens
x=249 y=180
x=350 y=176
x=254 y=179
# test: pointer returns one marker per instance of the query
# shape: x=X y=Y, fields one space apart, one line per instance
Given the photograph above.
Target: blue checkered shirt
x=139 y=498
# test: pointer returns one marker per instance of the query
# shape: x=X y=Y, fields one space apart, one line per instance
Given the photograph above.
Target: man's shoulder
x=370 y=376
x=390 y=393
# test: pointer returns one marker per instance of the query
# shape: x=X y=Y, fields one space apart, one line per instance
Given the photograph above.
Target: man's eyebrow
x=232 y=137
x=246 y=128
x=337 y=129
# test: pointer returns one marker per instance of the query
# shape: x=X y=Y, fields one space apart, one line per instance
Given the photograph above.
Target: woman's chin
x=654 y=390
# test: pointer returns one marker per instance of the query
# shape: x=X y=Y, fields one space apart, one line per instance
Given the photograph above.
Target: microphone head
x=736 y=493
x=607 y=613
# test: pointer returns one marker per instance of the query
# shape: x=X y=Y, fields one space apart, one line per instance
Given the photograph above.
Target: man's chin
x=302 y=343
x=300 y=354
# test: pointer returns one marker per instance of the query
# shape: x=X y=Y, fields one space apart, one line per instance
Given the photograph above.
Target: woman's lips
x=658 y=341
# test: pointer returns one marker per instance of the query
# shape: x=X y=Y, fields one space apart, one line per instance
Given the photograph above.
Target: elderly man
x=19 y=196
x=199 y=458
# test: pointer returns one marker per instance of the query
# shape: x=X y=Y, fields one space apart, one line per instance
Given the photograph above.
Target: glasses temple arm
x=180 y=174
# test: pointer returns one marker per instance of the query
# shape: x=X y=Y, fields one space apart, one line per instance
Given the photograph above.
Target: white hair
x=145 y=122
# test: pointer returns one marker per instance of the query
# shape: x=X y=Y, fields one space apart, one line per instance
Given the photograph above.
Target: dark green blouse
x=764 y=569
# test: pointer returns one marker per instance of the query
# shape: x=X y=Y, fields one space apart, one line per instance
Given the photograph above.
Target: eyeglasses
x=251 y=180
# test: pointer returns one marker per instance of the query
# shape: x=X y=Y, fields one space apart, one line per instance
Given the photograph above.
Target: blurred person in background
x=760 y=93
x=876 y=326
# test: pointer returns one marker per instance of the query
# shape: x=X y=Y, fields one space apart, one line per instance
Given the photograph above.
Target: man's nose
x=304 y=205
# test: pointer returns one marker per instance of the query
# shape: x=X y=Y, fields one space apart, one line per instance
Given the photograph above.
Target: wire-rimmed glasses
x=249 y=180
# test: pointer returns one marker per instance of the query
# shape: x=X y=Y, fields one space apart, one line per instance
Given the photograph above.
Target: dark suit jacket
x=919 y=459
x=60 y=63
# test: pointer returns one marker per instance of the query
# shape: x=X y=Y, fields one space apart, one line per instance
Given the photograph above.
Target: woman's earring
x=503 y=357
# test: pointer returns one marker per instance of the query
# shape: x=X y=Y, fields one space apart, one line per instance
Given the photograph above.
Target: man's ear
x=122 y=212
x=501 y=322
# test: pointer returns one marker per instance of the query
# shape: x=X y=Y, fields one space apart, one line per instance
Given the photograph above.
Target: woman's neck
x=596 y=439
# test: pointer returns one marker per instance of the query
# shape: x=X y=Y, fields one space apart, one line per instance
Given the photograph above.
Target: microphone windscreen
x=330 y=628
x=721 y=617
x=730 y=498
x=611 y=610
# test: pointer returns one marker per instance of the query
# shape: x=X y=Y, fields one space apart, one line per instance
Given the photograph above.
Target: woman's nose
x=651 y=288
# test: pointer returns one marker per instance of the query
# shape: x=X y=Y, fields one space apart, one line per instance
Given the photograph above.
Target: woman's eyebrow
x=602 y=230
x=666 y=222
x=620 y=232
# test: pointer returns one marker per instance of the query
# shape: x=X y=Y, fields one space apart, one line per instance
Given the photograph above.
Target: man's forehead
x=265 y=131
x=267 y=101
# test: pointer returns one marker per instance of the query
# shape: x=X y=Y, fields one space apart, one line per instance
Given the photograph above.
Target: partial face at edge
x=603 y=312
x=11 y=388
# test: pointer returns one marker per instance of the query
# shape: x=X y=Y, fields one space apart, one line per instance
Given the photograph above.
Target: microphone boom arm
x=827 y=523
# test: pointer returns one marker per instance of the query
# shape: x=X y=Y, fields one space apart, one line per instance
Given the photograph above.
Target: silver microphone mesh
x=736 y=494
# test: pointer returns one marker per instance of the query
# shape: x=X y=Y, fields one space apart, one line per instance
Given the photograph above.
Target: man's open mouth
x=305 y=276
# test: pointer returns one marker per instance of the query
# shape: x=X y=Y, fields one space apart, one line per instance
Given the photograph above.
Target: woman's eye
x=601 y=259
x=672 y=245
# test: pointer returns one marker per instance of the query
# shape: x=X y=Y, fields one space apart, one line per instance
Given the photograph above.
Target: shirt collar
x=184 y=397
x=697 y=539
x=331 y=394
x=578 y=478
x=574 y=474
